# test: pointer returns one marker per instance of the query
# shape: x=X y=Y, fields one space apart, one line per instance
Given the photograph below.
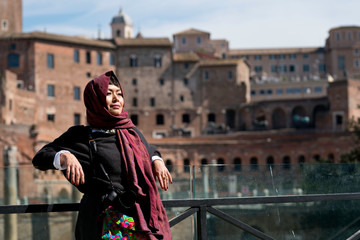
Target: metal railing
x=201 y=207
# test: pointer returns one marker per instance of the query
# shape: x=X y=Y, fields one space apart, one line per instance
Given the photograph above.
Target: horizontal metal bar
x=262 y=200
x=238 y=224
x=182 y=216
x=39 y=208
x=66 y=207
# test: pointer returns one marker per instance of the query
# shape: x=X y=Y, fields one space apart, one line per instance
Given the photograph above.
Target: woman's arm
x=69 y=141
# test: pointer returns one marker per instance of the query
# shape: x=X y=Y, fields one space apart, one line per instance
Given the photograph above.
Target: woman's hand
x=161 y=173
x=74 y=171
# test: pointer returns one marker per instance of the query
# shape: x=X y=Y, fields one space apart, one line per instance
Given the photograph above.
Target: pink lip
x=115 y=106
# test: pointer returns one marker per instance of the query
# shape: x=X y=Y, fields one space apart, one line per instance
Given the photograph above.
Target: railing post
x=10 y=191
x=201 y=223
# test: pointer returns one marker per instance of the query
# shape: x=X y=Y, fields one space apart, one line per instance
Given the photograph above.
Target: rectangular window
x=356 y=52
x=51 y=90
x=77 y=119
x=322 y=67
x=257 y=57
x=206 y=75
x=272 y=57
x=50 y=60
x=134 y=82
x=4 y=25
x=88 y=57
x=269 y=92
x=339 y=120
x=337 y=35
x=283 y=68
x=253 y=92
x=133 y=61
x=230 y=74
x=293 y=90
x=186 y=65
x=341 y=62
x=318 y=89
x=99 y=59
x=134 y=102
x=306 y=68
x=157 y=61
x=76 y=56
x=274 y=68
x=292 y=68
x=292 y=56
x=13 y=60
x=282 y=56
x=112 y=59
x=349 y=35
x=198 y=40
x=356 y=63
x=77 y=93
x=186 y=81
x=152 y=102
x=258 y=69
x=246 y=57
x=306 y=56
x=279 y=91
x=183 y=41
x=51 y=117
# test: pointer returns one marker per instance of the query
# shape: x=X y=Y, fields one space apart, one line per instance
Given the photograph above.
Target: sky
x=244 y=23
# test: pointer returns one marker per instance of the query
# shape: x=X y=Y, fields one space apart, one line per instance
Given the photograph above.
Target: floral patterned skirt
x=118 y=226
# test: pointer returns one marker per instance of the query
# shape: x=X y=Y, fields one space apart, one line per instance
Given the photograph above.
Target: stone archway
x=278 y=118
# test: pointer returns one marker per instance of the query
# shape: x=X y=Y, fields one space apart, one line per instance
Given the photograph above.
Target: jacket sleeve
x=150 y=148
x=70 y=140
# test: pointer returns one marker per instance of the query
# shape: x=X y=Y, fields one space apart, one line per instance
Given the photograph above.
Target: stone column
x=10 y=191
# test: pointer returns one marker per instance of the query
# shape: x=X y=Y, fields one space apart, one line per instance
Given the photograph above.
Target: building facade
x=195 y=98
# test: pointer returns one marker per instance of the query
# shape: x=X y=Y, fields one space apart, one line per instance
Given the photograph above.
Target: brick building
x=198 y=100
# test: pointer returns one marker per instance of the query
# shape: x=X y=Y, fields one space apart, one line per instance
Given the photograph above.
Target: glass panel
x=308 y=220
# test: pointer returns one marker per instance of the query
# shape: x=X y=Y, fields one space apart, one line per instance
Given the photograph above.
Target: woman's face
x=114 y=100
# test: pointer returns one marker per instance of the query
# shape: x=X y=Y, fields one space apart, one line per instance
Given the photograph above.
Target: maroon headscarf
x=151 y=215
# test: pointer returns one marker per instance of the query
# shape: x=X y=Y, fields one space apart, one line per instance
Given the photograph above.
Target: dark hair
x=114 y=81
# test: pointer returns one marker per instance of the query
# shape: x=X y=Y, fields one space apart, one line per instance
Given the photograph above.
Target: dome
x=121 y=17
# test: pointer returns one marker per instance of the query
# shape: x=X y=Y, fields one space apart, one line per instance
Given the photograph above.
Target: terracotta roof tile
x=191 y=31
x=143 y=42
x=42 y=36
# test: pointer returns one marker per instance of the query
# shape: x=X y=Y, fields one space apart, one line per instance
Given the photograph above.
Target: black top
x=76 y=140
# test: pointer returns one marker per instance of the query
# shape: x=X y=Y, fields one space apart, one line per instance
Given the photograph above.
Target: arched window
x=316 y=157
x=204 y=161
x=254 y=164
x=169 y=165
x=221 y=166
x=237 y=164
x=301 y=159
x=278 y=118
x=186 y=165
x=270 y=162
x=286 y=162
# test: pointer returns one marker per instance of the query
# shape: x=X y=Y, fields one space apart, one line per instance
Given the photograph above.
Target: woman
x=109 y=161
